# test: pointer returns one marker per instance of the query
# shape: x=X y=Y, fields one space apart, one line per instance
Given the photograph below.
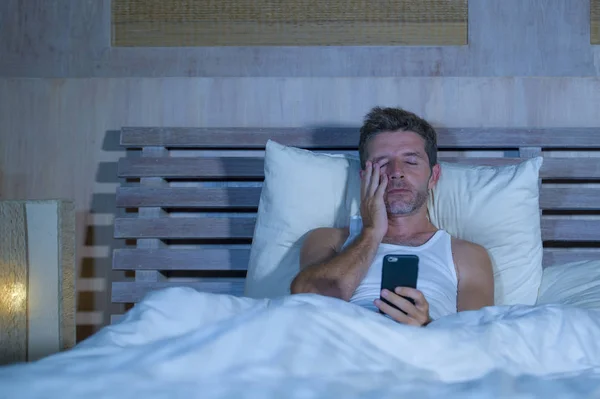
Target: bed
x=209 y=322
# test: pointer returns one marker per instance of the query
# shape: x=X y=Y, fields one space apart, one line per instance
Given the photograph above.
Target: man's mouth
x=397 y=190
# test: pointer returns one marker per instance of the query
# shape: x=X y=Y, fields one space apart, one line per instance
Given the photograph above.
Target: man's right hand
x=372 y=207
x=326 y=268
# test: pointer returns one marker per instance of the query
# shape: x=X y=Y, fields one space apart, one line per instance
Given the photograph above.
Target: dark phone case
x=402 y=272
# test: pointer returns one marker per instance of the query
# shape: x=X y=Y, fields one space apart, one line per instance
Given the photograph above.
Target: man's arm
x=475 y=276
x=326 y=271
x=323 y=272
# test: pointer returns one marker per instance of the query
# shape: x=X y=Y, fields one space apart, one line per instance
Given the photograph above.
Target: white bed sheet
x=573 y=283
x=182 y=343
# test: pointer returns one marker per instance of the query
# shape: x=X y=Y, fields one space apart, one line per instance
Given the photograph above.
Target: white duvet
x=180 y=343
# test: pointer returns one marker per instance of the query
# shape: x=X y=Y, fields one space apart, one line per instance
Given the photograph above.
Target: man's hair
x=380 y=120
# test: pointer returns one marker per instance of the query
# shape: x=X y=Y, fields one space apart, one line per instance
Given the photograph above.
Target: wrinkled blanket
x=179 y=342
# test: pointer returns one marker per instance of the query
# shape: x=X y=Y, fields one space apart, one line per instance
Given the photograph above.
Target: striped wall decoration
x=139 y=23
x=595 y=21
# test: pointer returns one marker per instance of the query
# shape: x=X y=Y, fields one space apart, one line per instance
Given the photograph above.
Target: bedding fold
x=180 y=342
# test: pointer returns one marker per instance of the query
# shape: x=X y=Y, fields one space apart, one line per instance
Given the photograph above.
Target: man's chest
x=413 y=241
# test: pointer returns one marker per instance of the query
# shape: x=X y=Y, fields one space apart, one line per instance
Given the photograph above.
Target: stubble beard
x=407 y=206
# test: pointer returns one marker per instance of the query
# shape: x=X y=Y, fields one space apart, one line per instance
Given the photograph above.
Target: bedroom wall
x=64 y=92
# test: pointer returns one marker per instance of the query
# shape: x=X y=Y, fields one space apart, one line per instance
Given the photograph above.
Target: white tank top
x=437 y=278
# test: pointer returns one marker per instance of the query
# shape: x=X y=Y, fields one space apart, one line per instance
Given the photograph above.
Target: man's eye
x=411 y=162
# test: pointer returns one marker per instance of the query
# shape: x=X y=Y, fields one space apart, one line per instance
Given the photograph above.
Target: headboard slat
x=185 y=227
x=554 y=228
x=253 y=167
x=225 y=259
x=567 y=228
x=190 y=197
x=191 y=167
x=181 y=259
x=247 y=198
x=347 y=137
x=571 y=198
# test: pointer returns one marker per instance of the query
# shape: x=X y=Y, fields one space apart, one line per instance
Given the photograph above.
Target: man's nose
x=395 y=170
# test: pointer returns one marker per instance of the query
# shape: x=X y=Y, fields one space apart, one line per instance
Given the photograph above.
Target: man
x=398 y=155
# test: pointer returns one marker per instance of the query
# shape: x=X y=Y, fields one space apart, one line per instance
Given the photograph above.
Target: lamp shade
x=37 y=279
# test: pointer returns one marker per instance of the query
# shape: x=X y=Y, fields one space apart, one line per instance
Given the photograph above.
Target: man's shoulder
x=468 y=254
x=465 y=246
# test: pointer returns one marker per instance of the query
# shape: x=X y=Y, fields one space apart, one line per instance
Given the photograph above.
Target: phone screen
x=399 y=271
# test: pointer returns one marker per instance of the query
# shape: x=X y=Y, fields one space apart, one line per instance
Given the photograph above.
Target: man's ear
x=436 y=171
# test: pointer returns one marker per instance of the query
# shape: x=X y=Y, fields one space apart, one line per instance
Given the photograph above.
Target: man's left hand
x=416 y=315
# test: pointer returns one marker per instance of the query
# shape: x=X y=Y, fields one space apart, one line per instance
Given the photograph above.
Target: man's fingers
x=366 y=179
x=374 y=183
x=401 y=303
x=412 y=293
x=394 y=313
x=417 y=314
x=421 y=303
x=382 y=185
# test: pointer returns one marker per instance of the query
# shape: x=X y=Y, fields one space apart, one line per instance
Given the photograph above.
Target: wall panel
x=71 y=38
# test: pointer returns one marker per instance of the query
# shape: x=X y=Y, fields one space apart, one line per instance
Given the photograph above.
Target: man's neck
x=406 y=226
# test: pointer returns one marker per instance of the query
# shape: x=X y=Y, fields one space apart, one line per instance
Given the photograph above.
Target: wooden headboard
x=193 y=195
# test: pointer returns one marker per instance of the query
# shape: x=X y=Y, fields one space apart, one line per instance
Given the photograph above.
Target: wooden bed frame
x=195 y=192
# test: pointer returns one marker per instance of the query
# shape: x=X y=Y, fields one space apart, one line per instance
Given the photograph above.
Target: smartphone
x=399 y=271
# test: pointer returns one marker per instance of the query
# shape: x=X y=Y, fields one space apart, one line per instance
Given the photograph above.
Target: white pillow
x=573 y=283
x=497 y=208
x=304 y=190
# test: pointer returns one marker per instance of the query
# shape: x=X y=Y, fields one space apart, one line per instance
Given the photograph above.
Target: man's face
x=403 y=158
